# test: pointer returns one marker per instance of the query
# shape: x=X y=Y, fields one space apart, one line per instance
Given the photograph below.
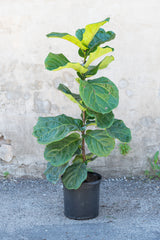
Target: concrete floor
x=32 y=209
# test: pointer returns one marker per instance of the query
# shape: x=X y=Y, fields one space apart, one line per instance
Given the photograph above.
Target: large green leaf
x=74 y=175
x=55 y=62
x=72 y=96
x=104 y=120
x=120 y=131
x=54 y=173
x=68 y=37
x=52 y=129
x=91 y=30
x=92 y=70
x=100 y=95
x=98 y=53
x=59 y=153
x=101 y=37
x=99 y=142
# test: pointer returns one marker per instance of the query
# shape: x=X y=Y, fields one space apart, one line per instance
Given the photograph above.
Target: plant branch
x=83 y=132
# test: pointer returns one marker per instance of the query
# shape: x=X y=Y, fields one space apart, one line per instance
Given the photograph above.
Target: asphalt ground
x=32 y=209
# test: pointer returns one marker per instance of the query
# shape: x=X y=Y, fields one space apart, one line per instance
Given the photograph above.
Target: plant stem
x=83 y=132
x=83 y=141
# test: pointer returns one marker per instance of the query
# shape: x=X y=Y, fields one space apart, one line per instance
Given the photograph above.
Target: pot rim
x=96 y=181
x=87 y=183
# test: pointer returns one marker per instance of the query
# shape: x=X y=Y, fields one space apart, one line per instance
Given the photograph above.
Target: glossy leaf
x=53 y=129
x=79 y=33
x=100 y=95
x=99 y=142
x=75 y=175
x=120 y=131
x=72 y=96
x=67 y=37
x=55 y=62
x=54 y=173
x=101 y=37
x=98 y=53
x=104 y=120
x=59 y=153
x=91 y=30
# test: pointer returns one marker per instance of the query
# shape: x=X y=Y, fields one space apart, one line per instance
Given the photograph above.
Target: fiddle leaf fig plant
x=65 y=137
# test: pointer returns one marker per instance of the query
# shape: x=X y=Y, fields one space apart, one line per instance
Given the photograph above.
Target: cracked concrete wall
x=27 y=90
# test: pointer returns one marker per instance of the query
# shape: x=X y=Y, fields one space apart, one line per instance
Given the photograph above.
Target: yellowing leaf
x=72 y=96
x=105 y=62
x=92 y=70
x=67 y=37
x=91 y=30
x=96 y=54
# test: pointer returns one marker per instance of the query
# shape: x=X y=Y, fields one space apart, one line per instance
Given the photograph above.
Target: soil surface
x=91 y=177
x=32 y=209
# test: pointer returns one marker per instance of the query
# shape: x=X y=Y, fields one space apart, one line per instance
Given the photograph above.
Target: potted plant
x=67 y=138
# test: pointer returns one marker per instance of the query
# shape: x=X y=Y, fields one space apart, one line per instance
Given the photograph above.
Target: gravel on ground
x=32 y=209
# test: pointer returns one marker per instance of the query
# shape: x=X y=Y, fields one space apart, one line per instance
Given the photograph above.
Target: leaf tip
x=107 y=19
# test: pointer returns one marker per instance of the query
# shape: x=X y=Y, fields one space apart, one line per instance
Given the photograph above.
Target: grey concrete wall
x=27 y=90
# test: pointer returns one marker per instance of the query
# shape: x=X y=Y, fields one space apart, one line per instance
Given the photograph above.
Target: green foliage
x=55 y=62
x=74 y=175
x=59 y=153
x=91 y=30
x=6 y=174
x=124 y=148
x=99 y=142
x=119 y=130
x=54 y=173
x=104 y=120
x=67 y=37
x=53 y=129
x=72 y=96
x=155 y=167
x=97 y=98
x=100 y=51
x=100 y=95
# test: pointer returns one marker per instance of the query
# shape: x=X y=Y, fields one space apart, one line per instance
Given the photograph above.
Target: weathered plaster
x=28 y=91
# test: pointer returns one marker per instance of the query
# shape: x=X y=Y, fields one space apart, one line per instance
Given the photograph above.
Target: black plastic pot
x=83 y=203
